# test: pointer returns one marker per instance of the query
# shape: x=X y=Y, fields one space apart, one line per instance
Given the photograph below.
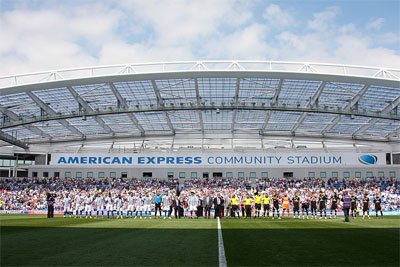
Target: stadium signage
x=217 y=159
x=368 y=159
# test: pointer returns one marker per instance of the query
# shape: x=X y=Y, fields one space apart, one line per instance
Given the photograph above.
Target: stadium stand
x=29 y=195
x=207 y=126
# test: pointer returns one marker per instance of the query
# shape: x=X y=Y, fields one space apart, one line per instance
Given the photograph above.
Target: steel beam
x=203 y=108
x=373 y=121
x=51 y=112
x=196 y=87
x=347 y=108
x=124 y=105
x=86 y=106
x=160 y=102
x=236 y=103
x=32 y=128
x=273 y=103
x=311 y=103
x=12 y=140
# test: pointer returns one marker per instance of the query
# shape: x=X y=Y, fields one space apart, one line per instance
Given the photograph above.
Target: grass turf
x=37 y=241
x=292 y=242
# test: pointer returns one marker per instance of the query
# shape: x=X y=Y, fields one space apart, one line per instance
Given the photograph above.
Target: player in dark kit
x=304 y=207
x=353 y=205
x=334 y=204
x=296 y=206
x=322 y=204
x=313 y=206
x=275 y=205
x=366 y=205
x=378 y=207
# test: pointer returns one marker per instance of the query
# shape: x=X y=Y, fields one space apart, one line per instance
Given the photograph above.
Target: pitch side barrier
x=253 y=180
x=59 y=212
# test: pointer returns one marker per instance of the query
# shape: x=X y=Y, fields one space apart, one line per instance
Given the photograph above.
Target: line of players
x=260 y=205
x=111 y=205
x=138 y=205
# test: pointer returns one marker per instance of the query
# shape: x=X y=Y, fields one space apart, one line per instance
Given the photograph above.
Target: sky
x=39 y=35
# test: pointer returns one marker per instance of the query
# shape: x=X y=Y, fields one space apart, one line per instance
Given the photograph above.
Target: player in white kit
x=109 y=205
x=119 y=203
x=78 y=205
x=147 y=206
x=193 y=203
x=99 y=202
x=166 y=205
x=131 y=205
x=67 y=205
x=139 y=206
x=88 y=205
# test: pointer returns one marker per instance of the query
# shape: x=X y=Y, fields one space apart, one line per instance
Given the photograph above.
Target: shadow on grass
x=312 y=247
x=44 y=246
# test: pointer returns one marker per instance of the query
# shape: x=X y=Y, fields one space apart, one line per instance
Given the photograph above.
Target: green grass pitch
x=33 y=240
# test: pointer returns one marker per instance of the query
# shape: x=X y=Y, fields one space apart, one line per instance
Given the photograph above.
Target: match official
x=257 y=201
x=50 y=205
x=346 y=206
x=218 y=203
x=157 y=203
x=247 y=205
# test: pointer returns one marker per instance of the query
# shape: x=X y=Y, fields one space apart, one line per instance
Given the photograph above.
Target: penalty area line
x=221 y=248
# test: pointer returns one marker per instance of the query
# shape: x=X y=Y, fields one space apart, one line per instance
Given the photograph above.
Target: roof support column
x=196 y=86
x=12 y=140
x=124 y=105
x=160 y=102
x=50 y=111
x=86 y=107
x=348 y=107
x=373 y=121
x=313 y=100
x=273 y=103
x=236 y=103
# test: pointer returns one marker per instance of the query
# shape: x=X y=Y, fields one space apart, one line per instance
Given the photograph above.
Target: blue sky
x=42 y=35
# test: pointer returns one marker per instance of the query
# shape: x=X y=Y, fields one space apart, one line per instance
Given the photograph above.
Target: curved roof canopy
x=188 y=99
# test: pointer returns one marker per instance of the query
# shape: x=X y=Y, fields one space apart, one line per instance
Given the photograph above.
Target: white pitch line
x=221 y=249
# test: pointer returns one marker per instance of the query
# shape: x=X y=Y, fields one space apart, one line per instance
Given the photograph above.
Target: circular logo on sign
x=368 y=159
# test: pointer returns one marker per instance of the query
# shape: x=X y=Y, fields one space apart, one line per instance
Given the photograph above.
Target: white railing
x=207 y=65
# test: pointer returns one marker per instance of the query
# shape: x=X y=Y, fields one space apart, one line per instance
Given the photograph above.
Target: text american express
x=199 y=160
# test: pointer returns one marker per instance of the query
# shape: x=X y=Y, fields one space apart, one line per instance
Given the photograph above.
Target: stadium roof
x=237 y=100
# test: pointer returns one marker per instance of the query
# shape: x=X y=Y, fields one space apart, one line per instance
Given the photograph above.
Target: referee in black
x=50 y=205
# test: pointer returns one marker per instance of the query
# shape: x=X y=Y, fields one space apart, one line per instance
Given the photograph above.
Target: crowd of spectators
x=30 y=194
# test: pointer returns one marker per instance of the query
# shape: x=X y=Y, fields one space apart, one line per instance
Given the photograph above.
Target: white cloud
x=336 y=46
x=388 y=38
x=247 y=43
x=54 y=38
x=304 y=47
x=118 y=52
x=356 y=50
x=376 y=24
x=347 y=29
x=177 y=22
x=278 y=17
x=322 y=21
x=119 y=32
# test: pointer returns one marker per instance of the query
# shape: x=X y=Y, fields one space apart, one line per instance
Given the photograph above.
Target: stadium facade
x=232 y=119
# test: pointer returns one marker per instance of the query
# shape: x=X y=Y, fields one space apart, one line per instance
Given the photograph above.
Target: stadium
x=204 y=128
x=218 y=109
